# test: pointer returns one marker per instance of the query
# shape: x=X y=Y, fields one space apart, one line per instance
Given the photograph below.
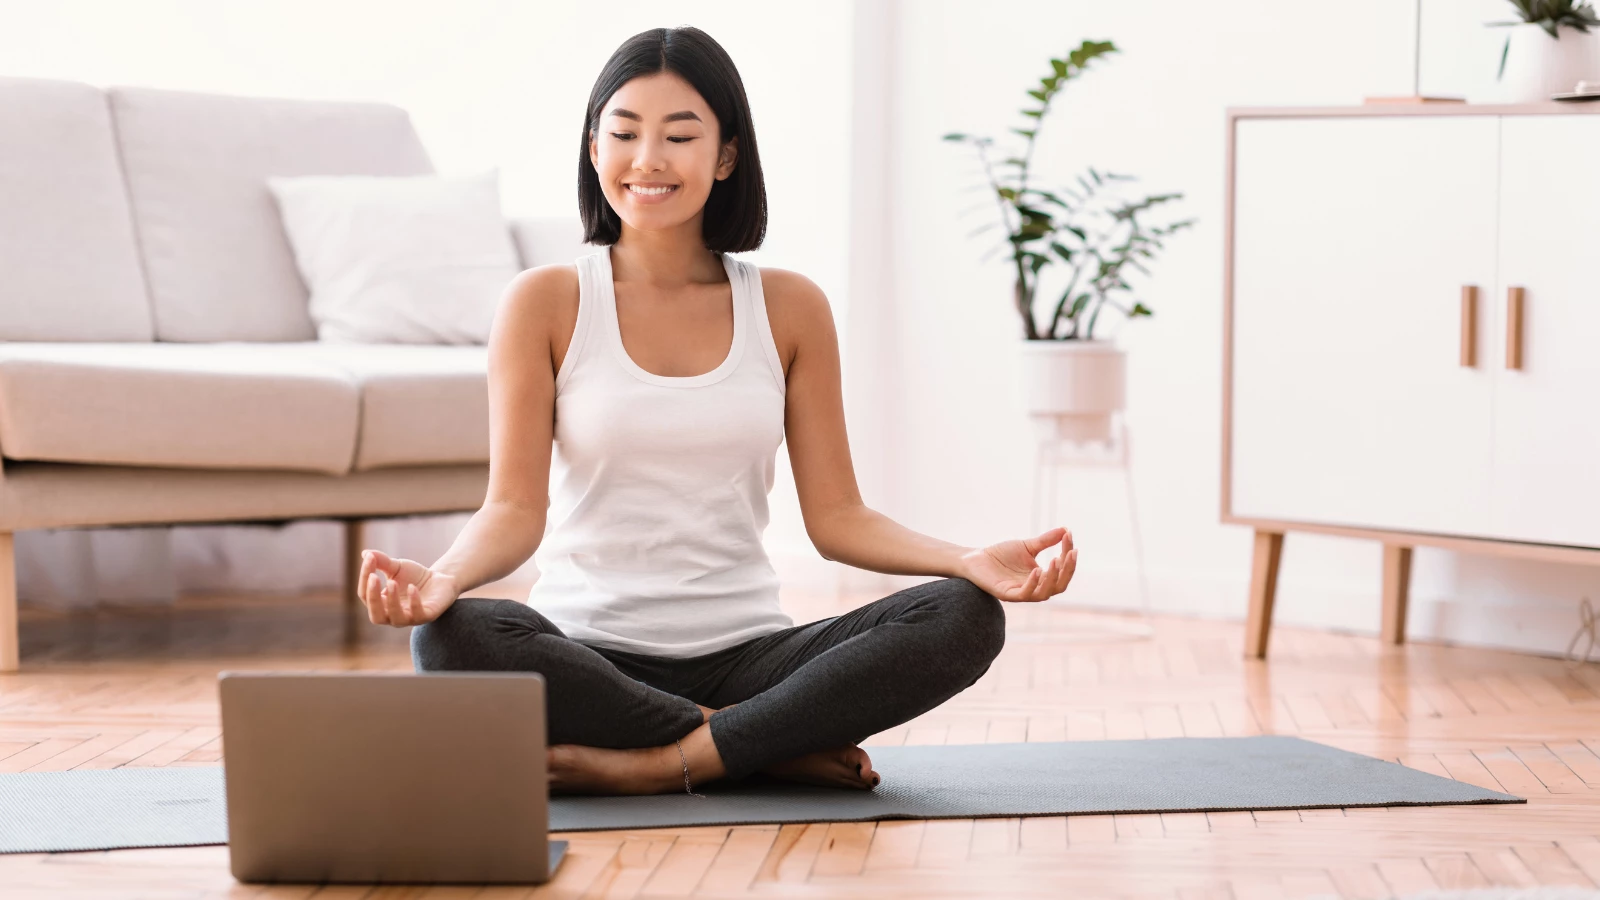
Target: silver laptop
x=380 y=777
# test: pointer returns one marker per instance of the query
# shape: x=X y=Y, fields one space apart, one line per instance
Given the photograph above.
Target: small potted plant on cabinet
x=1548 y=50
x=1073 y=380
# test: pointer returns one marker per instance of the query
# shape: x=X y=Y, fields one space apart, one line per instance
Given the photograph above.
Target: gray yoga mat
x=172 y=807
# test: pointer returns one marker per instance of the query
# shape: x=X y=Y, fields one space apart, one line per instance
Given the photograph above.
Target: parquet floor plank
x=738 y=860
x=1359 y=881
x=1407 y=876
x=844 y=849
x=793 y=853
x=626 y=871
x=1551 y=865
x=1502 y=867
x=1091 y=830
x=686 y=862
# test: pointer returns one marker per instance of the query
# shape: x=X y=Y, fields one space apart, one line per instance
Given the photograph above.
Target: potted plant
x=1073 y=380
x=1548 y=50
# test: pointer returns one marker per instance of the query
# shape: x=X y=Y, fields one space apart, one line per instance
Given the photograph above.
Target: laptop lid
x=387 y=777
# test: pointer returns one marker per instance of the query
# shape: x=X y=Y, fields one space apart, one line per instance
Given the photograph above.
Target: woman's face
x=657 y=150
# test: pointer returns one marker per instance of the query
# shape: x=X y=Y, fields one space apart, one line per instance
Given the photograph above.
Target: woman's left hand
x=1010 y=571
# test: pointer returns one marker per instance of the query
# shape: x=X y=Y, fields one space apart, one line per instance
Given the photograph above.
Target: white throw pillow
x=417 y=259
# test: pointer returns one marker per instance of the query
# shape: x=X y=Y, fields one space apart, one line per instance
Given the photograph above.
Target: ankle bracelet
x=685 y=759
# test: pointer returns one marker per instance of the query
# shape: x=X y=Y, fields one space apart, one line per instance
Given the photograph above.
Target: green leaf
x=1049 y=197
x=1060 y=66
x=955 y=136
x=1033 y=113
x=1040 y=96
x=1025 y=132
x=1139 y=309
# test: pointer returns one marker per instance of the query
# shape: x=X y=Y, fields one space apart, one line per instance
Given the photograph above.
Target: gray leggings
x=809 y=687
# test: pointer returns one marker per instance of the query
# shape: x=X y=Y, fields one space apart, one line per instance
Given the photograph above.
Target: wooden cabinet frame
x=1397 y=545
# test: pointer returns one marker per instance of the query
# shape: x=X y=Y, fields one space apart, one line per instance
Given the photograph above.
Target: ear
x=594 y=150
x=728 y=158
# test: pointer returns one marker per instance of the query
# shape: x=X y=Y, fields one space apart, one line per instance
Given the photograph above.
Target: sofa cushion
x=420 y=404
x=413 y=259
x=219 y=265
x=67 y=253
x=226 y=405
x=542 y=240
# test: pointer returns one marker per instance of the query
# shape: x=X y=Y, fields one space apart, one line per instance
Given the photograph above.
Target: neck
x=666 y=259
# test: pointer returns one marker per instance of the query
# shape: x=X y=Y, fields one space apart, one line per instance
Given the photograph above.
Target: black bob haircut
x=736 y=210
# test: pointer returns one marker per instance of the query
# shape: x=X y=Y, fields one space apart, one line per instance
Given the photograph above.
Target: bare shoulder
x=797 y=309
x=543 y=291
x=539 y=307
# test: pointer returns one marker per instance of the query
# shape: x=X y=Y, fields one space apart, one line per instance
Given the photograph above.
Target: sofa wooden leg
x=355 y=540
x=10 y=649
x=1263 y=592
x=1396 y=592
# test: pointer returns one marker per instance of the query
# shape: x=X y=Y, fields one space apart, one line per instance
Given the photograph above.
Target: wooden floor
x=138 y=689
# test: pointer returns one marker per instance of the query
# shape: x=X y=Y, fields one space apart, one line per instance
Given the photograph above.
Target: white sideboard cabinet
x=1412 y=335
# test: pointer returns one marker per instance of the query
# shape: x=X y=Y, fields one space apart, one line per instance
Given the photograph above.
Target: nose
x=648 y=157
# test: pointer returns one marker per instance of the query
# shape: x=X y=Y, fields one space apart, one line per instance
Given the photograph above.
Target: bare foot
x=576 y=769
x=847 y=766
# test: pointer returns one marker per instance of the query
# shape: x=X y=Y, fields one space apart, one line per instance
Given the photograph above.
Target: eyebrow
x=681 y=115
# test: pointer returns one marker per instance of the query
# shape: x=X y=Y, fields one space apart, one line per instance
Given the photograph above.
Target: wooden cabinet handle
x=1514 y=327
x=1469 y=325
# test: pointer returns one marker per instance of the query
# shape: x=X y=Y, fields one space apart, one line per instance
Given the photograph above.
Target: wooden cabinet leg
x=1263 y=592
x=1396 y=592
x=355 y=540
x=10 y=649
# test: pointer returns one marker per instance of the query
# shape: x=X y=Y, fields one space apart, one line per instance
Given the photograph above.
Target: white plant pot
x=1538 y=65
x=1072 y=389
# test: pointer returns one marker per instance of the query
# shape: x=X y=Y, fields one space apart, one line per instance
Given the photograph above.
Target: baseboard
x=1541 y=629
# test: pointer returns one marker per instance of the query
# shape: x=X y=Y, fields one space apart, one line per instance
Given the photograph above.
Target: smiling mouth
x=651 y=191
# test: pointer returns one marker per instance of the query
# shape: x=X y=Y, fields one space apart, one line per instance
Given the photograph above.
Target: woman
x=666 y=374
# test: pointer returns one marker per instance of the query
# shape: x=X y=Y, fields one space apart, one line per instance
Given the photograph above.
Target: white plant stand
x=1049 y=457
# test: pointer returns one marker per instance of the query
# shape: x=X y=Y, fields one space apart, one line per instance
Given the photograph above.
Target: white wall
x=487 y=84
x=956 y=436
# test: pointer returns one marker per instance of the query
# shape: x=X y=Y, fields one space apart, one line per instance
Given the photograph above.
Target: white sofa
x=158 y=363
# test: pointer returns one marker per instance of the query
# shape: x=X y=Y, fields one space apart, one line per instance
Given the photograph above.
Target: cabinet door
x=1547 y=413
x=1353 y=238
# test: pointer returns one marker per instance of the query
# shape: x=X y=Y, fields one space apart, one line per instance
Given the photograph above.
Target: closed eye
x=628 y=136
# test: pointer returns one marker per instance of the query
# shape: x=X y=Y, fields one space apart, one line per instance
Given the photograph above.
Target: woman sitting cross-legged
x=657 y=377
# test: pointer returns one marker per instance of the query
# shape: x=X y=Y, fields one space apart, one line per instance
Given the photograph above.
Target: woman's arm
x=539 y=304
x=840 y=525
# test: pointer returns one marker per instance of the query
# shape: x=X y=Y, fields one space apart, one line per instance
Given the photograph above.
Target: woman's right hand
x=402 y=592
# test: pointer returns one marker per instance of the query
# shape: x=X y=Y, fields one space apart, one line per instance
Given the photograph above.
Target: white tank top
x=659 y=485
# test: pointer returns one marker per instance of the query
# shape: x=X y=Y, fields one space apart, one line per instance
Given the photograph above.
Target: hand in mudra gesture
x=402 y=592
x=1009 y=570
